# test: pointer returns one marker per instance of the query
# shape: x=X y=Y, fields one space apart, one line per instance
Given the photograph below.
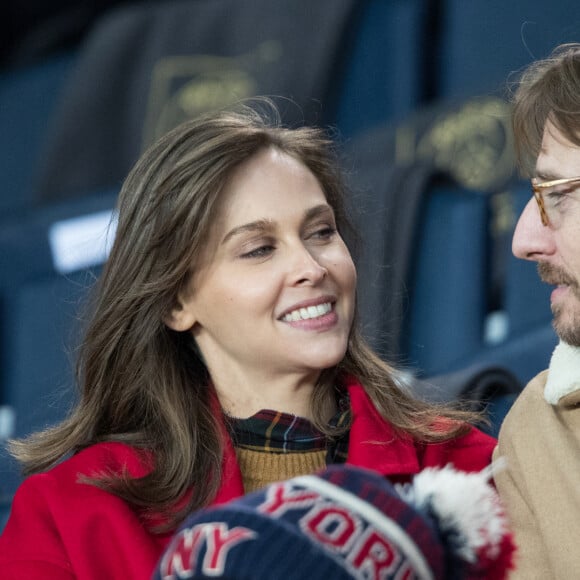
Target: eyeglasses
x=548 y=198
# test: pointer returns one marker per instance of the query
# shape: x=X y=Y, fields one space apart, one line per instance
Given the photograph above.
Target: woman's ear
x=181 y=317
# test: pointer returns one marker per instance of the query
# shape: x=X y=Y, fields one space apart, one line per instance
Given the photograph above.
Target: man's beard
x=567 y=330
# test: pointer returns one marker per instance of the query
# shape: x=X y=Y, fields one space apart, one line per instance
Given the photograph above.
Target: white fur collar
x=563 y=374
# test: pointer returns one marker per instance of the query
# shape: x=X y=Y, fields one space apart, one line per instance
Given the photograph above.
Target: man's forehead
x=558 y=156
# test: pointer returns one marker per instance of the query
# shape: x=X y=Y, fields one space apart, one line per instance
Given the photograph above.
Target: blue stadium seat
x=526 y=297
x=447 y=292
x=48 y=261
x=486 y=386
x=484 y=41
x=381 y=78
x=524 y=355
x=28 y=100
x=9 y=479
x=146 y=67
x=422 y=268
x=424 y=215
x=4 y=513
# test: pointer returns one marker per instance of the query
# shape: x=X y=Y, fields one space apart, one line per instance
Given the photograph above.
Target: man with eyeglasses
x=540 y=437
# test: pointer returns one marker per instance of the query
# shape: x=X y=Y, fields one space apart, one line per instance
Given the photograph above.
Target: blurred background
x=416 y=93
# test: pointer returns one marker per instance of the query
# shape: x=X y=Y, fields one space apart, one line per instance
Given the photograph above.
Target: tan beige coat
x=540 y=486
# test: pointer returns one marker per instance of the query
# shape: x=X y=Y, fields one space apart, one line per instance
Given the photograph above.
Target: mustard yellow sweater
x=259 y=468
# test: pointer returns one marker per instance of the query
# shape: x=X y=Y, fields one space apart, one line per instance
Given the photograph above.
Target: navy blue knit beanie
x=344 y=523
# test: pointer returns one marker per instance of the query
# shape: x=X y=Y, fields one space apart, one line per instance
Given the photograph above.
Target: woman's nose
x=306 y=267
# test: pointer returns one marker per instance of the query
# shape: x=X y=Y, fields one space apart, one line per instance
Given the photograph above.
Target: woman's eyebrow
x=264 y=225
x=317 y=211
x=255 y=226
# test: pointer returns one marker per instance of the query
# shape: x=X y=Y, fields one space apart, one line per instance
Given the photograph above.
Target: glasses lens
x=553 y=197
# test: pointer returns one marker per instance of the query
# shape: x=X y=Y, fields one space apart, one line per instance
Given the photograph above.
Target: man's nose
x=532 y=240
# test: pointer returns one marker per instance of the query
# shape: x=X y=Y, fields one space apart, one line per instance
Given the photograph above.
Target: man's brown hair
x=548 y=89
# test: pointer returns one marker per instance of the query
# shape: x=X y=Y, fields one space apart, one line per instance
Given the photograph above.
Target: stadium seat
x=422 y=263
x=482 y=42
x=48 y=261
x=447 y=291
x=146 y=67
x=422 y=188
x=28 y=99
x=526 y=297
x=386 y=42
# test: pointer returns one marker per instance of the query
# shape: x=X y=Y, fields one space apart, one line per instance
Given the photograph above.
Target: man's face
x=556 y=247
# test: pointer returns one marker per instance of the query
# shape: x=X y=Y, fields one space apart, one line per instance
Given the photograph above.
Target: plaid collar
x=276 y=432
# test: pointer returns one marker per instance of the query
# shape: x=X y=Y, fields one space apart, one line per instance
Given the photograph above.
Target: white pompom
x=466 y=507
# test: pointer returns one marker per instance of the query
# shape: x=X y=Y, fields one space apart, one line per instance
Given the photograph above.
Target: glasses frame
x=538 y=188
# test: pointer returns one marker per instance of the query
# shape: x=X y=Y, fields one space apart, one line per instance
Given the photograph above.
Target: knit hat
x=346 y=522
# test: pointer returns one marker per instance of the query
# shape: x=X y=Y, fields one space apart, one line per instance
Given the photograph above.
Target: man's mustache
x=556 y=276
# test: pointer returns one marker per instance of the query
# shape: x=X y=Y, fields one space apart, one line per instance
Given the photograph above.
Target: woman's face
x=275 y=293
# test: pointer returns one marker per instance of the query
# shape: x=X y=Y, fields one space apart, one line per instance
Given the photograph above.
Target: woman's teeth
x=307 y=313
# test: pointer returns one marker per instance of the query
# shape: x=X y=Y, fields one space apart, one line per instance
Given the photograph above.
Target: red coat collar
x=373 y=443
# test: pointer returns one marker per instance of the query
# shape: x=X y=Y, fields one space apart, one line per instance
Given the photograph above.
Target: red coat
x=62 y=529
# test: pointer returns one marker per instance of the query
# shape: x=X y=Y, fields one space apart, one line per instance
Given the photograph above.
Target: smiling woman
x=223 y=354
x=274 y=302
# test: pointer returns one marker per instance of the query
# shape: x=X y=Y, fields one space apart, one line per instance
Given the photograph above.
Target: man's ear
x=181 y=317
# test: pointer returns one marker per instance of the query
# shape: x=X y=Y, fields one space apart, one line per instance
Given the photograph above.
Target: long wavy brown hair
x=144 y=384
x=548 y=89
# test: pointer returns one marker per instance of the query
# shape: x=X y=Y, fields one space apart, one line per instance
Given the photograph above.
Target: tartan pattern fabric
x=276 y=432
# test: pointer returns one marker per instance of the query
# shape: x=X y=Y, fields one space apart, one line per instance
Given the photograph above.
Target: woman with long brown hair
x=223 y=354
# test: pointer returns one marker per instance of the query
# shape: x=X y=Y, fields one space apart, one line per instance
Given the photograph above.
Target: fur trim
x=563 y=374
